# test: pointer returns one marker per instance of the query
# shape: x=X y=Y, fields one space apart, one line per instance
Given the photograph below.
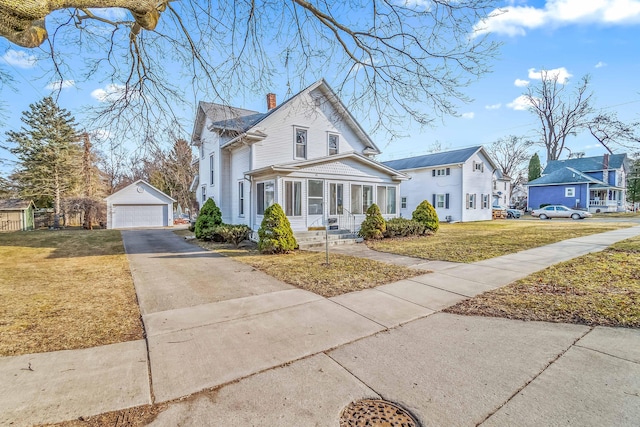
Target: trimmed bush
x=426 y=215
x=275 y=234
x=374 y=225
x=235 y=234
x=208 y=219
x=403 y=227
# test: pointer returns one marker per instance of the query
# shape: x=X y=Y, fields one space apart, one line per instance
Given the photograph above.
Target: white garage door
x=128 y=216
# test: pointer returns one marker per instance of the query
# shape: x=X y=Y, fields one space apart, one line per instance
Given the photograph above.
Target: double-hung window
x=336 y=199
x=387 y=199
x=212 y=170
x=293 y=198
x=300 y=143
x=265 y=196
x=471 y=201
x=241 y=198
x=485 y=201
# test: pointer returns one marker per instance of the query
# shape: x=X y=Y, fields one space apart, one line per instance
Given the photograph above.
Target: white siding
x=478 y=183
x=239 y=164
x=423 y=185
x=278 y=146
x=139 y=205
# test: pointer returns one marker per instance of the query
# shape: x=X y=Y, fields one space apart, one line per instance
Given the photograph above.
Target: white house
x=139 y=205
x=501 y=189
x=308 y=154
x=457 y=183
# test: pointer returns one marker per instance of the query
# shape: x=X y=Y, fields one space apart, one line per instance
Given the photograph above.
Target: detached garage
x=139 y=205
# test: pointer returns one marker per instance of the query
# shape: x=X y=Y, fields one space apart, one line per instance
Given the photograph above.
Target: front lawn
x=65 y=290
x=477 y=241
x=601 y=288
x=309 y=270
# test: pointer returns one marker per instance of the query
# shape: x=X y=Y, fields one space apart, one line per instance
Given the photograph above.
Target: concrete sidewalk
x=283 y=356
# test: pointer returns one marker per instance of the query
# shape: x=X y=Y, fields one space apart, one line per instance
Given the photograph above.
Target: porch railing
x=603 y=203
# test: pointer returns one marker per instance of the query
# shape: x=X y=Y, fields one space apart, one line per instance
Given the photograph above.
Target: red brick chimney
x=271 y=101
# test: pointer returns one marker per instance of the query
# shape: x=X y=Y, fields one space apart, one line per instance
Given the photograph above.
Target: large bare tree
x=561 y=113
x=389 y=59
x=615 y=134
x=511 y=154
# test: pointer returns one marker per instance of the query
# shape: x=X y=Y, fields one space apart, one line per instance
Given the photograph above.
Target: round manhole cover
x=376 y=413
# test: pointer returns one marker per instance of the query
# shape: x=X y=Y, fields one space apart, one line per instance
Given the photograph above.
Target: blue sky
x=573 y=37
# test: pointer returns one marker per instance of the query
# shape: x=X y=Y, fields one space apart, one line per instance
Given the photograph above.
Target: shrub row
x=209 y=226
x=424 y=220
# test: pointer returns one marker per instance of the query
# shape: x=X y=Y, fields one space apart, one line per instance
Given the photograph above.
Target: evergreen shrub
x=209 y=218
x=404 y=227
x=275 y=234
x=374 y=225
x=426 y=214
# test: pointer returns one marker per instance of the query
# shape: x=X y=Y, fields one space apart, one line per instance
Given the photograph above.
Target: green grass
x=65 y=290
x=477 y=241
x=596 y=289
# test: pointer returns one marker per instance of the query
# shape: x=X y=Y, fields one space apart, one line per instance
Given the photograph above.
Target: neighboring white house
x=457 y=183
x=501 y=189
x=308 y=154
x=139 y=205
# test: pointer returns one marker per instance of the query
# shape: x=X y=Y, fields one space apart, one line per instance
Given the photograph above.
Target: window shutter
x=433 y=172
x=448 y=171
x=482 y=166
x=433 y=198
x=467 y=200
x=446 y=201
x=475 y=196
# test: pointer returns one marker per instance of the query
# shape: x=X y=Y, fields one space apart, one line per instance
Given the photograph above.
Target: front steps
x=316 y=239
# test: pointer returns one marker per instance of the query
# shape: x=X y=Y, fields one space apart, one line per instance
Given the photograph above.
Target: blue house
x=597 y=184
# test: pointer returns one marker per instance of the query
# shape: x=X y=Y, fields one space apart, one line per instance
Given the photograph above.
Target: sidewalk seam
x=555 y=359
x=607 y=354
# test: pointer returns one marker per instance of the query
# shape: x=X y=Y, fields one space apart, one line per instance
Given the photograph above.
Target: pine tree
x=535 y=170
x=49 y=155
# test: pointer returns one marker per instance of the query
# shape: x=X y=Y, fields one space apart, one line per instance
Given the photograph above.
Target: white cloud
x=601 y=64
x=469 y=115
x=521 y=103
x=493 y=106
x=110 y=93
x=100 y=135
x=61 y=84
x=19 y=58
x=516 y=20
x=521 y=83
x=561 y=73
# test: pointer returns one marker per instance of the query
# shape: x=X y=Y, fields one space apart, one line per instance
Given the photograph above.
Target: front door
x=315 y=203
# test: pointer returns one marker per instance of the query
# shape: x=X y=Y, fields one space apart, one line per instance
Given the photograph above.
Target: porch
x=605 y=200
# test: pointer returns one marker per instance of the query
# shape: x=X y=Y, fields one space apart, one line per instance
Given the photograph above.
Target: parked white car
x=559 y=211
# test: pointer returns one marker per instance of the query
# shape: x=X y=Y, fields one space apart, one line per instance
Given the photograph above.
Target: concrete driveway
x=170 y=273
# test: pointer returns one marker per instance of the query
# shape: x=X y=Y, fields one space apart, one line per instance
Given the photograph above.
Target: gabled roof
x=241 y=121
x=14 y=204
x=564 y=176
x=587 y=164
x=143 y=183
x=446 y=158
x=295 y=166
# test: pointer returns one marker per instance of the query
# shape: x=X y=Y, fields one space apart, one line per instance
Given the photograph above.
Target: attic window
x=333 y=144
x=301 y=143
x=478 y=167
